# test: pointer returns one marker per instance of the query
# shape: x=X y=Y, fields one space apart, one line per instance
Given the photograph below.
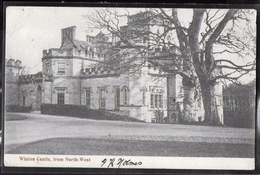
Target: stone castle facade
x=72 y=74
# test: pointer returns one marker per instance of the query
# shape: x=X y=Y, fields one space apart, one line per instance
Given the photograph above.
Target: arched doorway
x=38 y=98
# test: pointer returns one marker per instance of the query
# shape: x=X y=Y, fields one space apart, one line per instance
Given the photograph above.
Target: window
x=143 y=97
x=86 y=52
x=152 y=100
x=117 y=98
x=199 y=103
x=87 y=97
x=48 y=65
x=144 y=89
x=160 y=101
x=230 y=103
x=125 y=95
x=102 y=98
x=234 y=105
x=61 y=67
x=156 y=100
x=23 y=100
x=61 y=96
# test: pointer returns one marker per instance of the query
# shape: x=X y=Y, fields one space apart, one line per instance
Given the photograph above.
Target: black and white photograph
x=115 y=87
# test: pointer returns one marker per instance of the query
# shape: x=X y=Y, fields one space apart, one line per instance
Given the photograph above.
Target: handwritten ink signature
x=120 y=162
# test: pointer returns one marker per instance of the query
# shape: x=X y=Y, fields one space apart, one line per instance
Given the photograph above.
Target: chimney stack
x=68 y=33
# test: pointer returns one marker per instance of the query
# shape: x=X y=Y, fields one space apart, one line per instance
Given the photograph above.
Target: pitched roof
x=82 y=44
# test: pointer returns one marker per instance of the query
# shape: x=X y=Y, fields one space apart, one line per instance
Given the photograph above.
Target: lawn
x=90 y=146
x=13 y=117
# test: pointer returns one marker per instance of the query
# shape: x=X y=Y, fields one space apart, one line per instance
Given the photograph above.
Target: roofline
x=68 y=57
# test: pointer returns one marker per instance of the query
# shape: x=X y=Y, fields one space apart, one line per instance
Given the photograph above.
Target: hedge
x=16 y=108
x=82 y=112
x=241 y=119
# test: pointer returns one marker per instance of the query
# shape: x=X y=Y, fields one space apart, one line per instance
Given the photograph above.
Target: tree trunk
x=211 y=112
x=188 y=100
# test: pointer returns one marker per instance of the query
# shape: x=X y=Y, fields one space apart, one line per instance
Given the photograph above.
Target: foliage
x=239 y=105
x=159 y=116
x=17 y=108
x=241 y=119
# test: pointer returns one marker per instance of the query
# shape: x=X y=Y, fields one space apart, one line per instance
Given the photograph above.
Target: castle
x=72 y=74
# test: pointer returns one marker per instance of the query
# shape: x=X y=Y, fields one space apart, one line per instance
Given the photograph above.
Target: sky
x=30 y=30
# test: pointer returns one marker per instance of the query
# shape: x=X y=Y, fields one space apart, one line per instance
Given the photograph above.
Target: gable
x=67 y=44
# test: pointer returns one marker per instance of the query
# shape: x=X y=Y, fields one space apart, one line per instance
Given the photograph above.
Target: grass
x=90 y=146
x=13 y=117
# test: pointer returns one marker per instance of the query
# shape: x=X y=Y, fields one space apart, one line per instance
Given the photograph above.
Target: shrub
x=242 y=119
x=17 y=108
x=82 y=112
x=159 y=116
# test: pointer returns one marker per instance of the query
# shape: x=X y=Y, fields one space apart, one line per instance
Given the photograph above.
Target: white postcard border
x=143 y=162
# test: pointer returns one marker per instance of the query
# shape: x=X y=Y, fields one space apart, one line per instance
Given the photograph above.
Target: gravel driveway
x=39 y=127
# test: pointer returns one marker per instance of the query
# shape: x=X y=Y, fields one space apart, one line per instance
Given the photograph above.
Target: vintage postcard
x=144 y=88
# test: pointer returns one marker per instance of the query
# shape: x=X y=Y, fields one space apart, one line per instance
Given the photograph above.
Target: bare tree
x=188 y=48
x=227 y=34
x=25 y=70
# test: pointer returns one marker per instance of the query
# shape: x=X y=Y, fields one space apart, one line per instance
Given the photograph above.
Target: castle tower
x=12 y=72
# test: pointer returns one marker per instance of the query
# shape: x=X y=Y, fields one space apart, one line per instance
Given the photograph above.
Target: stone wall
x=11 y=93
x=48 y=92
x=73 y=65
x=109 y=83
x=147 y=84
x=12 y=72
x=28 y=90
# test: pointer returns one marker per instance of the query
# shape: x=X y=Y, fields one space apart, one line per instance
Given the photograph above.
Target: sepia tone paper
x=141 y=88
